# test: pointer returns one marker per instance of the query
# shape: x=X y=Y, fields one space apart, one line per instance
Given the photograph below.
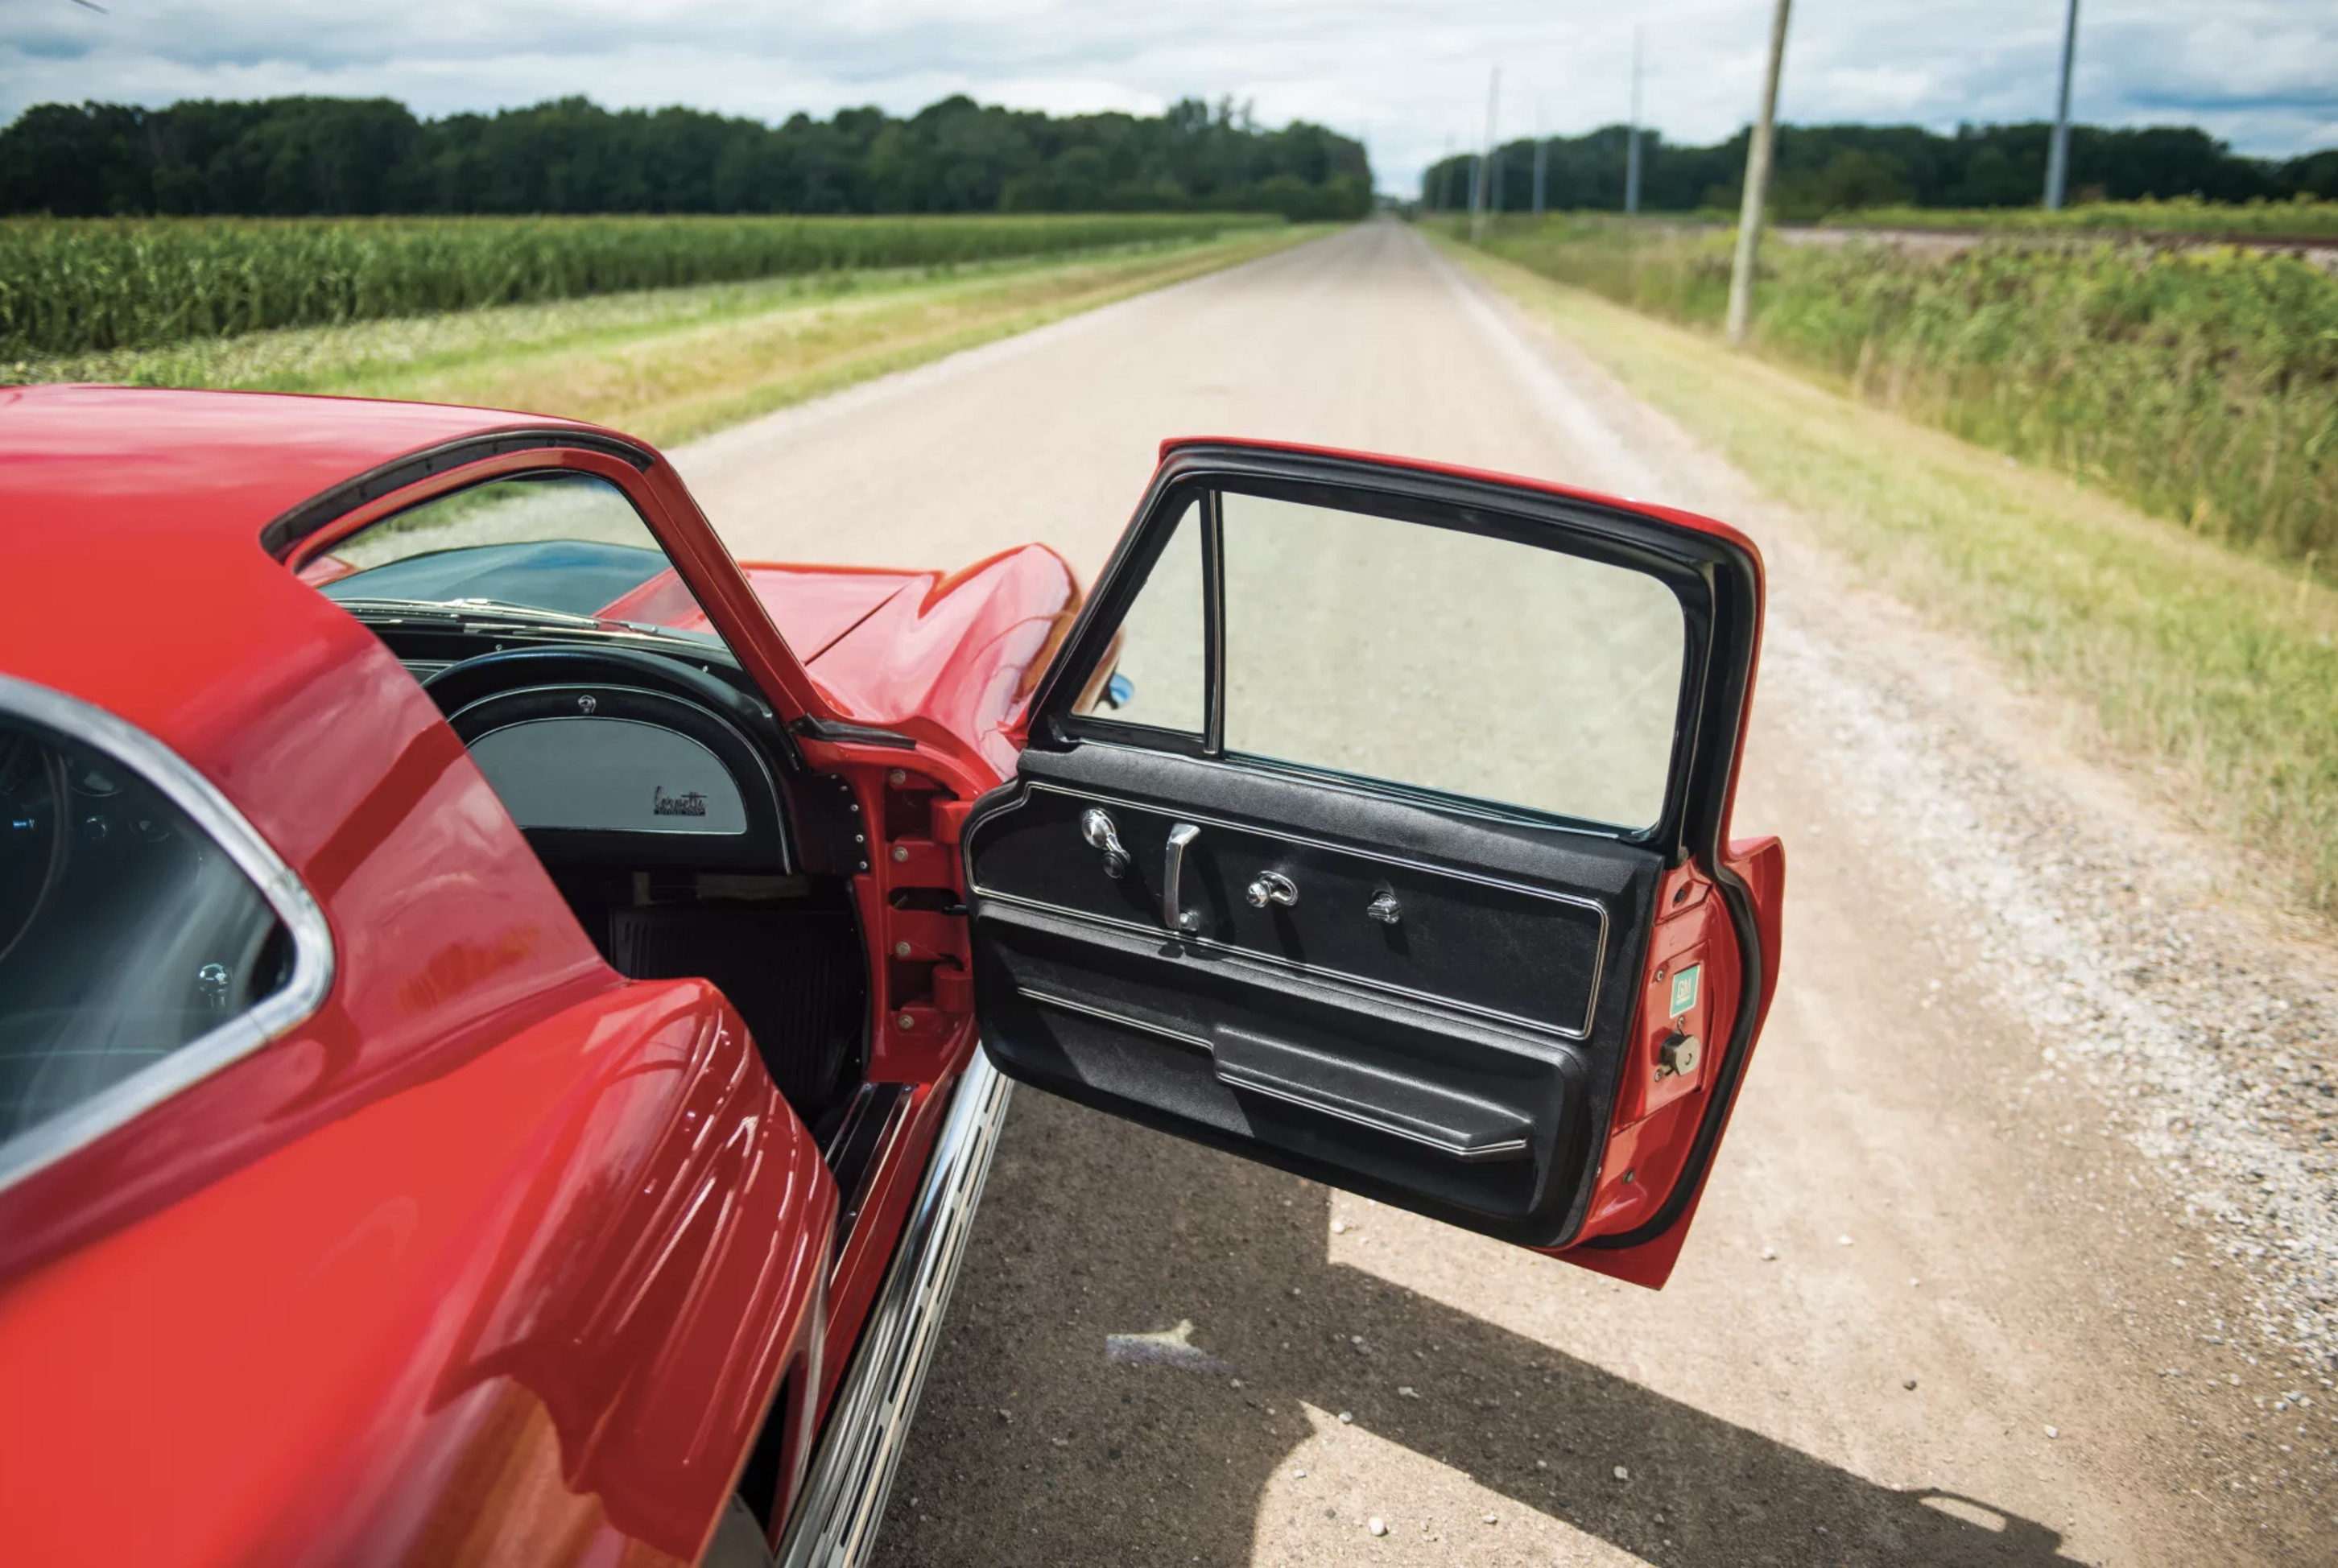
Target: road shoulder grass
x=673 y=363
x=2215 y=671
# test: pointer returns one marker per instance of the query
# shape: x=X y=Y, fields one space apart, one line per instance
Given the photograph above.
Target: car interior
x=645 y=770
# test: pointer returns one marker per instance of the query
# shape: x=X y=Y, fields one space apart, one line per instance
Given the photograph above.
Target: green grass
x=74 y=286
x=2213 y=670
x=2301 y=217
x=670 y=364
x=2200 y=384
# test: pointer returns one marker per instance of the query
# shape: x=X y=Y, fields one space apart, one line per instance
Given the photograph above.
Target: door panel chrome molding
x=1121 y=1020
x=270 y=1019
x=1360 y=786
x=836 y=1516
x=1335 y=976
x=1507 y=1149
x=1235 y=1078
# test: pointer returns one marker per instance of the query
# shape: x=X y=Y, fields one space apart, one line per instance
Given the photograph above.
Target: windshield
x=555 y=545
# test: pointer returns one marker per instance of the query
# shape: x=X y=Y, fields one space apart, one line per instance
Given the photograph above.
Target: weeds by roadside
x=2201 y=384
x=2299 y=217
x=2216 y=669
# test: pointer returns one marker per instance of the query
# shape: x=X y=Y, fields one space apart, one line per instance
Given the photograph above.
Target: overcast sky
x=1404 y=74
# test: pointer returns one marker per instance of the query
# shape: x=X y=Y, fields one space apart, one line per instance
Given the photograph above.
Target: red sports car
x=490 y=985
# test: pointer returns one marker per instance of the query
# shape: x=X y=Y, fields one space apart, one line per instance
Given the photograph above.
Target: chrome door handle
x=1172 y=867
x=1096 y=830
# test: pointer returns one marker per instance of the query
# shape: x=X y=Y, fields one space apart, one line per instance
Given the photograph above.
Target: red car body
x=499 y=1256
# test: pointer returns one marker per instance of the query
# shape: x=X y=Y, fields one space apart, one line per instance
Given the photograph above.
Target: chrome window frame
x=270 y=1019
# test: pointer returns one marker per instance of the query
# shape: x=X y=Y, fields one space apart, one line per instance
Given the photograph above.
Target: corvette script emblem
x=689 y=804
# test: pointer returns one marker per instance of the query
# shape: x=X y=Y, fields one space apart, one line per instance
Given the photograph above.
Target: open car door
x=1372 y=823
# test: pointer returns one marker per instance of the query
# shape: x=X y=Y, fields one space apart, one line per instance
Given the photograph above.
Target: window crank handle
x=1172 y=867
x=1098 y=833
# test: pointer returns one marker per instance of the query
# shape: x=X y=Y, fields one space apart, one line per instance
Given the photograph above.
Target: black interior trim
x=1418 y=1098
x=1352 y=869
x=837 y=730
x=1214 y=625
x=288 y=528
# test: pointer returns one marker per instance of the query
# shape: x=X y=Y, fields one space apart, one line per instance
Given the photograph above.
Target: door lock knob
x=1271 y=887
x=1679 y=1054
x=1384 y=908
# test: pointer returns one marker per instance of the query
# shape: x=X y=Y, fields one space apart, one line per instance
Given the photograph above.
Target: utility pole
x=2057 y=153
x=1757 y=183
x=1485 y=159
x=1542 y=158
x=1632 y=137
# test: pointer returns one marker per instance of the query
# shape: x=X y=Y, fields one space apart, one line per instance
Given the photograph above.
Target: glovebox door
x=1371 y=824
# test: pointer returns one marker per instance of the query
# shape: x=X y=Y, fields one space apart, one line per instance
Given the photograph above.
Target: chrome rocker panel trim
x=836 y=1517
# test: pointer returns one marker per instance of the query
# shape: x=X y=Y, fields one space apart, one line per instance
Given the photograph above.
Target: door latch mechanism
x=1678 y=1055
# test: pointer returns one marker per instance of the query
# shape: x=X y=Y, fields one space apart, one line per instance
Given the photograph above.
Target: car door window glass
x=1160 y=668
x=126 y=934
x=1457 y=661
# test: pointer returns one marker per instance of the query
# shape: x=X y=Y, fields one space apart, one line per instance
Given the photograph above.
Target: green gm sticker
x=1684 y=988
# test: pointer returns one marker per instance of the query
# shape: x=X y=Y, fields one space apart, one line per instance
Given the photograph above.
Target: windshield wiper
x=468 y=608
x=490 y=610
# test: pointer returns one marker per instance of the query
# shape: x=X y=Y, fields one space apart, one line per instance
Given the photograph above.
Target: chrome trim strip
x=1122 y=1020
x=272 y=1017
x=836 y=1514
x=1276 y=769
x=1338 y=977
x=1234 y=1078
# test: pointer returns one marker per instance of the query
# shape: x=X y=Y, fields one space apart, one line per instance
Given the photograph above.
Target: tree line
x=340 y=156
x=1824 y=169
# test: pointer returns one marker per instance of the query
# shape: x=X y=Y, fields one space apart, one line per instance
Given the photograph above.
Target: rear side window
x=127 y=933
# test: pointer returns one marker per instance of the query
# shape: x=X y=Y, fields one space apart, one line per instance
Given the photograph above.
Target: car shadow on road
x=1031 y=1446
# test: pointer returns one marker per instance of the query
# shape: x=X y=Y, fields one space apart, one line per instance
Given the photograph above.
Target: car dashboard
x=651 y=780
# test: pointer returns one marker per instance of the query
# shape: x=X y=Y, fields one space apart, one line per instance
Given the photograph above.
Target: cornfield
x=70 y=287
x=2200 y=383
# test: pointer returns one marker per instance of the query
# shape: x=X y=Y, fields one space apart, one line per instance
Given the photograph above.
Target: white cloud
x=1409 y=77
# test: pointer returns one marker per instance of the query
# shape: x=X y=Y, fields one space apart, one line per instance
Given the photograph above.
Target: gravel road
x=2021 y=1247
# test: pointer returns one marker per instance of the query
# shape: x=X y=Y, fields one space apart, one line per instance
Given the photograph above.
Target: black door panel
x=1355 y=873
x=1492 y=945
x=1304 y=1035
